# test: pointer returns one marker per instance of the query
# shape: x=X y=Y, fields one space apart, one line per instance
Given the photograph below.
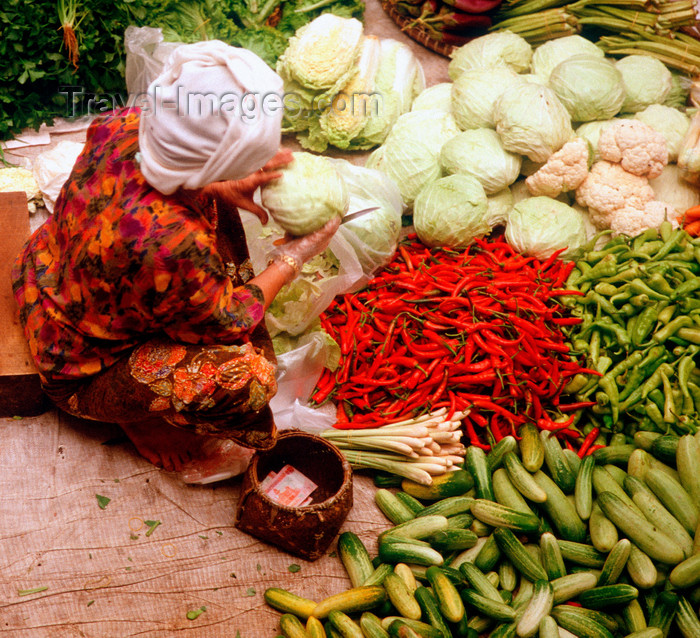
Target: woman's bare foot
x=164 y=445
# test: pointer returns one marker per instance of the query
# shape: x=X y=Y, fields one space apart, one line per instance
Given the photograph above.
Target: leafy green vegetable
x=294 y=568
x=195 y=613
x=151 y=526
x=102 y=501
x=33 y=590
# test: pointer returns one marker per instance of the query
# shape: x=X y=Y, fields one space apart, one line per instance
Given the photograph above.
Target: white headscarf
x=214 y=113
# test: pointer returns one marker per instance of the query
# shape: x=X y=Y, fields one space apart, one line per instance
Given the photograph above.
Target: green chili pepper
x=621 y=297
x=577 y=383
x=696 y=250
x=605 y=289
x=633 y=381
x=671 y=328
x=649 y=247
x=594 y=348
x=671 y=241
x=644 y=238
x=685 y=368
x=627 y=310
x=666 y=313
x=654 y=381
x=609 y=387
x=646 y=320
x=690 y=303
x=669 y=402
x=606 y=267
x=615 y=245
x=601 y=302
x=658 y=282
x=641 y=288
x=640 y=301
x=654 y=357
x=666 y=231
x=653 y=412
x=657 y=396
x=694 y=390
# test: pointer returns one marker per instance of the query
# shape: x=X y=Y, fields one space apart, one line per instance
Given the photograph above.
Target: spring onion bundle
x=417 y=449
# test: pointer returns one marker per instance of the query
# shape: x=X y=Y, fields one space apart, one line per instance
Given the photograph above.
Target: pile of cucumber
x=527 y=540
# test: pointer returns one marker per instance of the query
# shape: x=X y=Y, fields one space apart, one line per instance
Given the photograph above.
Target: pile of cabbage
x=513 y=141
x=343 y=88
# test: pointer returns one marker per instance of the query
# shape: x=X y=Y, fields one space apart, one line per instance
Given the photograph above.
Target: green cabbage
x=499 y=207
x=309 y=193
x=452 y=211
x=590 y=87
x=374 y=235
x=479 y=153
x=670 y=187
x=532 y=121
x=670 y=122
x=590 y=131
x=554 y=52
x=411 y=154
x=498 y=49
x=475 y=92
x=680 y=90
x=539 y=226
x=646 y=81
x=438 y=97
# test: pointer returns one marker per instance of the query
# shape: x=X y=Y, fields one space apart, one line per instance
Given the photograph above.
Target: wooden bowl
x=304 y=531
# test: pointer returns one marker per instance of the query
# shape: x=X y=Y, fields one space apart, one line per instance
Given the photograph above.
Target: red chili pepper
x=588 y=441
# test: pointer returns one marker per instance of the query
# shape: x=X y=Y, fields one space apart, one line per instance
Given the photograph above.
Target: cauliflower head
x=635 y=145
x=564 y=171
x=634 y=221
x=16 y=178
x=607 y=188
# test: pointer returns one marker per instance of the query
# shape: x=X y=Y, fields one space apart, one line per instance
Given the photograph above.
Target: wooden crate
x=20 y=392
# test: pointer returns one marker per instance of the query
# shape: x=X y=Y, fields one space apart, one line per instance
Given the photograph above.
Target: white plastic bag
x=373 y=236
x=53 y=167
x=146 y=53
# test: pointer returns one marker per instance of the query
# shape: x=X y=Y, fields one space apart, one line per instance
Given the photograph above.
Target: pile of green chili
x=641 y=330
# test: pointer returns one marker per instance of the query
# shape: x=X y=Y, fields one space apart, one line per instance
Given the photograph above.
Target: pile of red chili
x=475 y=328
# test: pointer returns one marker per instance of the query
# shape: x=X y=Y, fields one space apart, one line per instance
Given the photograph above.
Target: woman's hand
x=239 y=193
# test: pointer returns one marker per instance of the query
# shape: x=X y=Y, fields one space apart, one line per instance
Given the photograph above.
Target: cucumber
x=404 y=571
x=507 y=494
x=671 y=493
x=479 y=582
x=379 y=574
x=522 y=479
x=641 y=568
x=487 y=606
x=615 y=563
x=603 y=481
x=454 y=483
x=615 y=454
x=560 y=510
x=291 y=627
x=460 y=521
x=569 y=586
x=539 y=606
x=581 y=554
x=573 y=620
x=371 y=626
x=531 y=448
x=389 y=504
x=495 y=457
x=448 y=599
x=552 y=559
x=583 y=489
x=548 y=628
x=448 y=540
x=355 y=558
x=498 y=515
x=488 y=555
x=507 y=576
x=602 y=531
x=556 y=462
x=573 y=460
x=655 y=512
x=649 y=632
x=344 y=624
x=475 y=462
x=431 y=611
x=663 y=611
x=410 y=502
x=687 y=462
x=417 y=528
x=287 y=602
x=664 y=448
x=356 y=599
x=401 y=598
x=394 y=551
x=608 y=596
x=314 y=628
x=686 y=619
x=641 y=532
x=687 y=573
x=423 y=629
x=449 y=506
x=633 y=615
x=518 y=555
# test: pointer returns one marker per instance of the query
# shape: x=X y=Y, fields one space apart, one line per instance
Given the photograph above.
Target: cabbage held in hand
x=532 y=121
x=480 y=154
x=539 y=226
x=590 y=87
x=310 y=193
x=451 y=211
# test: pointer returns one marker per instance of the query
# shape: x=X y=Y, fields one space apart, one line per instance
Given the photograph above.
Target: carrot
x=692 y=213
x=693 y=228
x=68 y=16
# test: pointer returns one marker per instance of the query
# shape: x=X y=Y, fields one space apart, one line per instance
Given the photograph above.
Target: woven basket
x=416 y=33
x=303 y=531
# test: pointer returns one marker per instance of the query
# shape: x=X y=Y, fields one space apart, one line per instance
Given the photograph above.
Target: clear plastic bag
x=146 y=53
x=52 y=168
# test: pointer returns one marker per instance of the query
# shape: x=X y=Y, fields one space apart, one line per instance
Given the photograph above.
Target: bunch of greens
x=60 y=55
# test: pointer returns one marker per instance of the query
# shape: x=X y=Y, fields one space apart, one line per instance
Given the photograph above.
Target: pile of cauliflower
x=615 y=190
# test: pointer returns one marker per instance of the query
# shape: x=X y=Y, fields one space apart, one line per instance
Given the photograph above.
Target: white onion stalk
x=417 y=449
